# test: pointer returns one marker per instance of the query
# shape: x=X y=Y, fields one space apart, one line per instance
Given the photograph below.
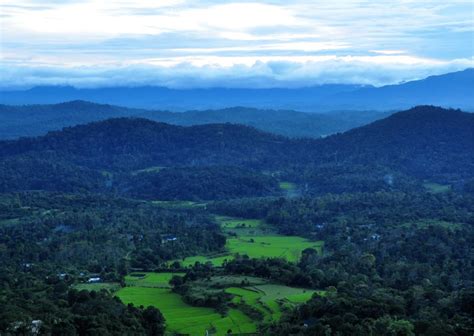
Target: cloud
x=240 y=72
x=232 y=43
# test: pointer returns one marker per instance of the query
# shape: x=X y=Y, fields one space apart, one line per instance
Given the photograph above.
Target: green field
x=287 y=186
x=232 y=223
x=153 y=289
x=150 y=279
x=256 y=239
x=287 y=247
x=436 y=188
x=270 y=299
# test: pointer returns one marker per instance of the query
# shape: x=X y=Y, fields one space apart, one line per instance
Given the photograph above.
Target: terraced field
x=152 y=289
x=181 y=317
x=270 y=299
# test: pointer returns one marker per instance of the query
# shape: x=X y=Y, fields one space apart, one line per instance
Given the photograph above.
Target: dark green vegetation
x=425 y=143
x=34 y=120
x=199 y=183
x=222 y=227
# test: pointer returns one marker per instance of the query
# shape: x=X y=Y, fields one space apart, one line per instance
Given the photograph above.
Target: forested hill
x=129 y=144
x=35 y=120
x=424 y=143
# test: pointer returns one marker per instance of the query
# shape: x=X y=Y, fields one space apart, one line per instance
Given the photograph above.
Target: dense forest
x=390 y=204
x=424 y=143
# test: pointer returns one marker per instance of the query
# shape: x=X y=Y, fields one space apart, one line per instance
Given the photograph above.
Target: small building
x=375 y=236
x=166 y=238
x=94 y=280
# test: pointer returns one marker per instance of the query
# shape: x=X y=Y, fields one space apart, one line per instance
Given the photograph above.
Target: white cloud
x=221 y=42
x=235 y=72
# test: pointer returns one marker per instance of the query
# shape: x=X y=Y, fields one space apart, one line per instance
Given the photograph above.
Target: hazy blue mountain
x=449 y=90
x=455 y=90
x=178 y=100
x=33 y=120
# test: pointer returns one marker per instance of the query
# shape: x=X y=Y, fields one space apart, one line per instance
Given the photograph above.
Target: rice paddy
x=152 y=289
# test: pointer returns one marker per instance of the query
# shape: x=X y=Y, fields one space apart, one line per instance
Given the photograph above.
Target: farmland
x=254 y=301
x=152 y=289
x=270 y=299
x=256 y=239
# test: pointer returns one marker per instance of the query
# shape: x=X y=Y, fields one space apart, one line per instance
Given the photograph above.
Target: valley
x=138 y=227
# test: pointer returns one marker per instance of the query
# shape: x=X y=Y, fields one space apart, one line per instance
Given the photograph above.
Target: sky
x=187 y=44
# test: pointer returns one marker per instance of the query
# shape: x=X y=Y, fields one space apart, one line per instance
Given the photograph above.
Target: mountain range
x=423 y=143
x=34 y=120
x=449 y=90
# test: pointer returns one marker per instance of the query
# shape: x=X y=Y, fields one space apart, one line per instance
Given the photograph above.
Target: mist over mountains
x=449 y=90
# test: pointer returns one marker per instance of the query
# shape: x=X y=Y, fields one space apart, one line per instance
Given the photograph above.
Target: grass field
x=270 y=298
x=142 y=290
x=287 y=247
x=216 y=261
x=183 y=318
x=256 y=239
x=287 y=186
x=150 y=279
x=232 y=223
x=436 y=188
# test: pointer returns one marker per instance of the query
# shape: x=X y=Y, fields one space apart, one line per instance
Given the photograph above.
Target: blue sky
x=179 y=43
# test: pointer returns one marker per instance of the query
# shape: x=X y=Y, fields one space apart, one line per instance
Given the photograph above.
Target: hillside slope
x=421 y=143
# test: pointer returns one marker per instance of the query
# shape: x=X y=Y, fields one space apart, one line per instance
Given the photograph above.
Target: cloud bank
x=178 y=43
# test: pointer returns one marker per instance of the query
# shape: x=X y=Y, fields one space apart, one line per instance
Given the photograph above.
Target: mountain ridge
x=447 y=90
x=425 y=142
x=33 y=120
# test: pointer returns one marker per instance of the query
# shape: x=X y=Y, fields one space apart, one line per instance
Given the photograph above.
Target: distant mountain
x=455 y=90
x=449 y=90
x=34 y=120
x=162 y=98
